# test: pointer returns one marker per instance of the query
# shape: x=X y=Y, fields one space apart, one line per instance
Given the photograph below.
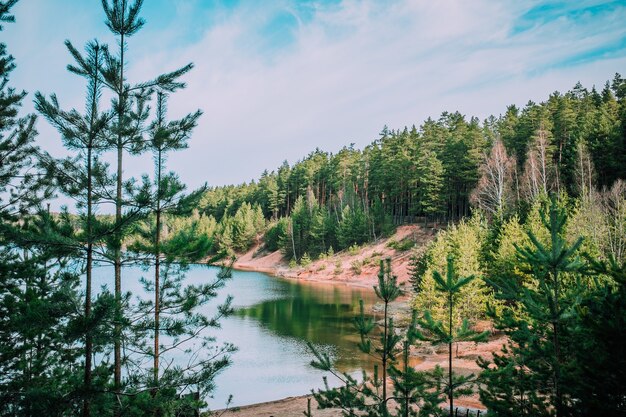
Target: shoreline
x=310 y=279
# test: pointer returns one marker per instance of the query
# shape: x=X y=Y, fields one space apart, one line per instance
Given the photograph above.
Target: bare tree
x=585 y=173
x=614 y=207
x=494 y=190
x=539 y=171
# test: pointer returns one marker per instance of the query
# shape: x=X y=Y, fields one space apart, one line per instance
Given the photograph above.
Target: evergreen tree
x=300 y=227
x=600 y=380
x=464 y=243
x=38 y=350
x=83 y=178
x=437 y=332
x=41 y=331
x=353 y=229
x=431 y=184
x=415 y=393
x=21 y=185
x=174 y=311
x=531 y=374
x=130 y=114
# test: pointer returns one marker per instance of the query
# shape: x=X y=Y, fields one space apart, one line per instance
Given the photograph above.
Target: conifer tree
x=39 y=351
x=20 y=180
x=414 y=393
x=165 y=137
x=530 y=375
x=37 y=304
x=130 y=113
x=83 y=178
x=173 y=313
x=437 y=332
x=431 y=184
x=599 y=383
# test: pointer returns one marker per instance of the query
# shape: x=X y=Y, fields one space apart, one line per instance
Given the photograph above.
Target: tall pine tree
x=83 y=178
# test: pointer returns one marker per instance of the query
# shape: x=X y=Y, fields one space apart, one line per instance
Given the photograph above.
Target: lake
x=273 y=320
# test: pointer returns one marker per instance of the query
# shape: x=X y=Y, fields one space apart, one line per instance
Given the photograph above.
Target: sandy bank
x=358 y=268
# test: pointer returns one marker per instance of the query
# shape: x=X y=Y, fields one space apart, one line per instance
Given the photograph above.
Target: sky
x=278 y=78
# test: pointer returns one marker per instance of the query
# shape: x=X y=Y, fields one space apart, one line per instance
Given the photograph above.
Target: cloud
x=278 y=79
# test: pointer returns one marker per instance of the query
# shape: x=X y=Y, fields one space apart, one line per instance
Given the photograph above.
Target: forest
x=534 y=201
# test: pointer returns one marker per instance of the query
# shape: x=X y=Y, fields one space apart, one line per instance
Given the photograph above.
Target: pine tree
x=437 y=332
x=464 y=243
x=37 y=303
x=299 y=229
x=173 y=313
x=414 y=393
x=130 y=114
x=21 y=185
x=530 y=375
x=600 y=381
x=83 y=177
x=39 y=349
x=431 y=184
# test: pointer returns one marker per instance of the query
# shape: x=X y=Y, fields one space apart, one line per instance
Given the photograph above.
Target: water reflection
x=320 y=313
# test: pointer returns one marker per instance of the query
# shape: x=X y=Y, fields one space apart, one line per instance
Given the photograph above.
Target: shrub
x=338 y=267
x=305 y=260
x=401 y=246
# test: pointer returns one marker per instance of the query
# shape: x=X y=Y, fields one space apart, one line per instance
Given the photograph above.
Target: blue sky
x=276 y=79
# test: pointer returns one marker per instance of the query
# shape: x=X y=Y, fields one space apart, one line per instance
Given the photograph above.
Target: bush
x=305 y=260
x=354 y=249
x=357 y=267
x=401 y=246
x=338 y=267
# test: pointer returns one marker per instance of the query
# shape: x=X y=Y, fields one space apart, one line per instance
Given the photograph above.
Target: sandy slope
x=327 y=270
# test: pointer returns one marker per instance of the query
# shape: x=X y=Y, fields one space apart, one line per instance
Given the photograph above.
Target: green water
x=318 y=312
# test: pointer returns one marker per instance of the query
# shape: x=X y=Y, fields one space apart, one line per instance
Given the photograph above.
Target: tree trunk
x=157 y=265
x=89 y=266
x=117 y=262
x=450 y=392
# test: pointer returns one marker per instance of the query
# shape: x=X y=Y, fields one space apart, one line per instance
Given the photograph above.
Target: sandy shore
x=287 y=407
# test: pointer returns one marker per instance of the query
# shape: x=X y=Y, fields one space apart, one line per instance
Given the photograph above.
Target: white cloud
x=352 y=68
